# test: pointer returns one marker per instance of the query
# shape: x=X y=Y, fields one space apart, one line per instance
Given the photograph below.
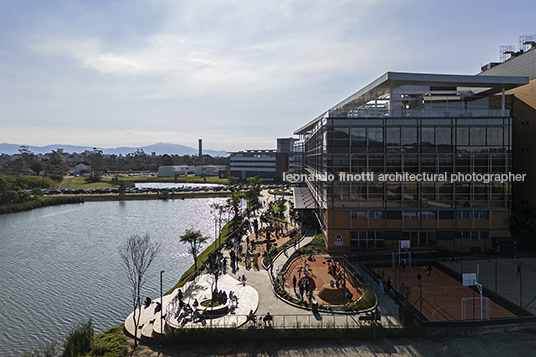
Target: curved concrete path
x=257 y=295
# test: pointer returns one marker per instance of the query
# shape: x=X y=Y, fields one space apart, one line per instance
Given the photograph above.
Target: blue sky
x=237 y=74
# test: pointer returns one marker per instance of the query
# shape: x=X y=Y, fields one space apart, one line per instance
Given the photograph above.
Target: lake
x=61 y=266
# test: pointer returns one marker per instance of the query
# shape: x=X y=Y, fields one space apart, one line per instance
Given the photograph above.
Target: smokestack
x=200 y=148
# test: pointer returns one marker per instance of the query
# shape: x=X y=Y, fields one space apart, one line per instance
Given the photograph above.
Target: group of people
x=336 y=271
x=267 y=319
x=216 y=262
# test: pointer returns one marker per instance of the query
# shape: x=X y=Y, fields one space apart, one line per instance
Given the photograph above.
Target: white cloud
x=237 y=72
x=260 y=49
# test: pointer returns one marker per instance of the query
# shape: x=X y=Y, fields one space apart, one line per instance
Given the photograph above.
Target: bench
x=372 y=317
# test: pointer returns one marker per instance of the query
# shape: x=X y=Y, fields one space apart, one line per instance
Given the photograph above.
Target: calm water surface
x=60 y=265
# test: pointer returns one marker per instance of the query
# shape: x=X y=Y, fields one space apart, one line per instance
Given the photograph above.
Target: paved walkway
x=269 y=302
x=263 y=302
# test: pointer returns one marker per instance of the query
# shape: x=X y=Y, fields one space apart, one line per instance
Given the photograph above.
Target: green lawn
x=79 y=182
x=192 y=179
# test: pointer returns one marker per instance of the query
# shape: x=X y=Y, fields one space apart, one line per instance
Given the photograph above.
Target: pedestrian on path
x=294 y=280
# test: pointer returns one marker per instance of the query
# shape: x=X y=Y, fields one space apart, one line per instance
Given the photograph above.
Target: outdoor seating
x=376 y=316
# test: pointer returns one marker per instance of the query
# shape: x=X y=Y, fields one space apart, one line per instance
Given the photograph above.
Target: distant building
x=269 y=165
x=209 y=170
x=171 y=171
x=73 y=159
x=82 y=167
x=250 y=163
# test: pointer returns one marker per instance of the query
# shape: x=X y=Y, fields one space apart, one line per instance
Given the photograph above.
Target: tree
x=195 y=239
x=97 y=161
x=138 y=253
x=55 y=166
x=234 y=204
x=166 y=160
x=122 y=191
x=217 y=211
x=254 y=191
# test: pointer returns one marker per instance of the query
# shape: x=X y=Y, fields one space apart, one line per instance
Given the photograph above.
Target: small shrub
x=79 y=340
x=273 y=252
x=110 y=343
x=93 y=178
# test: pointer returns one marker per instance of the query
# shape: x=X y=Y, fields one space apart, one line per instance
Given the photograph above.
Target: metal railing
x=286 y=321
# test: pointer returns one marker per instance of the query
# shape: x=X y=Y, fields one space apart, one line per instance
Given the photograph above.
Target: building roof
x=85 y=163
x=390 y=81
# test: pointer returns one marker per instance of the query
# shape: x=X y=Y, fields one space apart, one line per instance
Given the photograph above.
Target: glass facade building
x=413 y=157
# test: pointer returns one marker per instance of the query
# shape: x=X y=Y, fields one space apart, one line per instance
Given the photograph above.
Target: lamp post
x=419 y=280
x=161 y=305
x=520 y=291
x=496 y=251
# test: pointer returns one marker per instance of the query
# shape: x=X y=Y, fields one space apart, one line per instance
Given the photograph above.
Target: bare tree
x=138 y=253
x=195 y=239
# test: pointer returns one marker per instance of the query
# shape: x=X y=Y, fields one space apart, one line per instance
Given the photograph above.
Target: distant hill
x=159 y=149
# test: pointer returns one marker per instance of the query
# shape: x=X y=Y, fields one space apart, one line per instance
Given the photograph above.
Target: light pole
x=496 y=251
x=419 y=280
x=520 y=291
x=161 y=305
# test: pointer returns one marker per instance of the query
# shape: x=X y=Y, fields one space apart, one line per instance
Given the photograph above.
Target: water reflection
x=60 y=265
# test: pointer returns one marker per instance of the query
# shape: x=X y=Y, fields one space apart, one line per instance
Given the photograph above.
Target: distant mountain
x=159 y=149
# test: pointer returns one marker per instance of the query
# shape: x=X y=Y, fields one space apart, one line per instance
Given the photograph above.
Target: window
x=359 y=214
x=478 y=136
x=464 y=215
x=428 y=136
x=428 y=214
x=375 y=136
x=481 y=214
x=410 y=136
x=418 y=239
x=471 y=235
x=375 y=191
x=462 y=136
x=411 y=215
x=366 y=240
x=367 y=214
x=393 y=136
x=497 y=136
x=375 y=214
x=444 y=136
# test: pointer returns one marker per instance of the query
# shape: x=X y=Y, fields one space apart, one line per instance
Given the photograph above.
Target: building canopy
x=389 y=86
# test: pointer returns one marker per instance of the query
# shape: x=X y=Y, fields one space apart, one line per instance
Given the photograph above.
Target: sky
x=237 y=74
